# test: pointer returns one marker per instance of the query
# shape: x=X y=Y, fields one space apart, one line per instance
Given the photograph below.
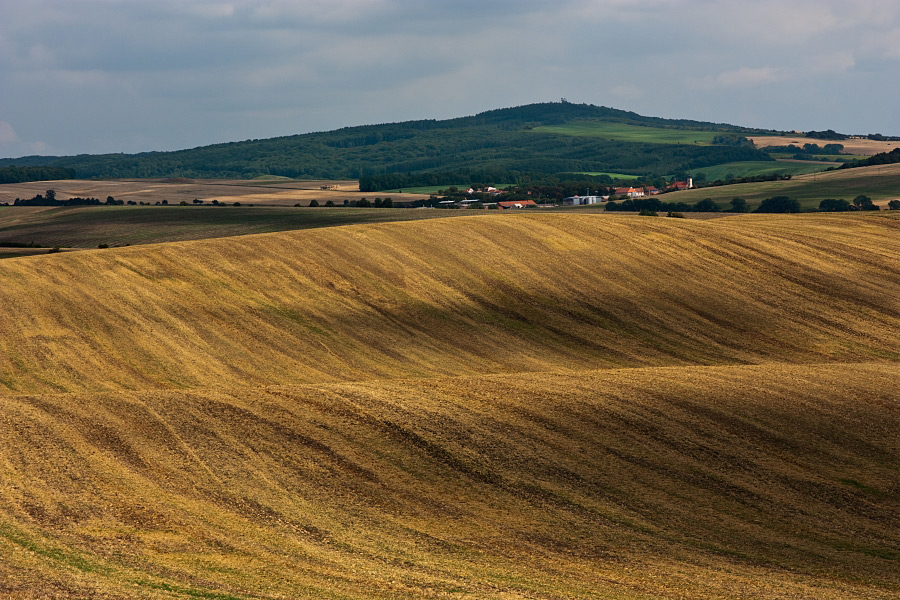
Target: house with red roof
x=516 y=204
x=629 y=192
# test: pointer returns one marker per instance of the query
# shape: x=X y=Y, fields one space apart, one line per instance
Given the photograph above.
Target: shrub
x=298 y=205
x=739 y=205
x=237 y=203
x=676 y=215
x=833 y=205
x=863 y=202
x=779 y=204
x=54 y=250
x=894 y=205
x=329 y=203
x=313 y=203
x=707 y=205
x=648 y=213
x=101 y=245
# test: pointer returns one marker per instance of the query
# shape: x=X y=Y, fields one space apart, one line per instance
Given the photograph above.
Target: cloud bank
x=134 y=75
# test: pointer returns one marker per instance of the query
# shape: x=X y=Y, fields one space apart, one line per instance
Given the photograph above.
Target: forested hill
x=496 y=145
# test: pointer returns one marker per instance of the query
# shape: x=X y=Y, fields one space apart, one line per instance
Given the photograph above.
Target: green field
x=630 y=133
x=86 y=227
x=879 y=183
x=760 y=167
x=610 y=175
x=831 y=157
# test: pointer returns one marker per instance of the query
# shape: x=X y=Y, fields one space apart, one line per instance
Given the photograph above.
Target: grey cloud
x=110 y=75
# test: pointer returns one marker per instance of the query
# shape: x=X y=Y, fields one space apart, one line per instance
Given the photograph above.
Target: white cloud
x=749 y=77
x=626 y=91
x=7 y=133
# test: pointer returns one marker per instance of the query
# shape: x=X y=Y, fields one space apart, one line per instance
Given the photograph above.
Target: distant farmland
x=752 y=168
x=851 y=146
x=260 y=192
x=881 y=183
x=87 y=227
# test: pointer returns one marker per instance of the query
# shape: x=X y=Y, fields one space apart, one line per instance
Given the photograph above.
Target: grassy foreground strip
x=703 y=482
x=453 y=296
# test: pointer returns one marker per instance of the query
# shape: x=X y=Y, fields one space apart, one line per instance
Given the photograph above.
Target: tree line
x=48 y=198
x=16 y=174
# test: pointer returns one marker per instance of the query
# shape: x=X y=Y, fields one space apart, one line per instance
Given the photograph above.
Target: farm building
x=629 y=192
x=580 y=200
x=682 y=185
x=516 y=204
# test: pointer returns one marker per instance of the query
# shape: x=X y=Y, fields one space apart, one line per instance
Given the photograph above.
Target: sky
x=97 y=76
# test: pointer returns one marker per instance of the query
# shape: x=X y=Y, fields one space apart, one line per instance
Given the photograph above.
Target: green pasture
x=610 y=175
x=631 y=133
x=751 y=168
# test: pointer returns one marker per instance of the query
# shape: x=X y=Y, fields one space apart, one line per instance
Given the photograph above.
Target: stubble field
x=523 y=406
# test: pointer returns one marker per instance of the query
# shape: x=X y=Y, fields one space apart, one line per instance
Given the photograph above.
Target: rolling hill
x=510 y=406
x=456 y=296
x=702 y=482
x=496 y=146
x=881 y=183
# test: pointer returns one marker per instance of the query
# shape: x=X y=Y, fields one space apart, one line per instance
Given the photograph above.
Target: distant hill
x=495 y=145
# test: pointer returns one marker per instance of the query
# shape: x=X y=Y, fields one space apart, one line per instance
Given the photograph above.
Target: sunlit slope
x=455 y=296
x=742 y=481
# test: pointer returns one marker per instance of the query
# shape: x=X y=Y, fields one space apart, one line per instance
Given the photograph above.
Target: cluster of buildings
x=622 y=193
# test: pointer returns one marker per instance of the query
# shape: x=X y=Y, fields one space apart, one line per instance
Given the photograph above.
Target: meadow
x=625 y=132
x=530 y=405
x=614 y=176
x=761 y=167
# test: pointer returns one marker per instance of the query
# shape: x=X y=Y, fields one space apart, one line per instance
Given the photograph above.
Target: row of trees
x=48 y=198
x=861 y=202
x=738 y=205
x=774 y=204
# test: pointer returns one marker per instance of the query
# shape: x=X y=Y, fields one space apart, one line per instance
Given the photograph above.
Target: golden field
x=851 y=146
x=521 y=406
x=684 y=482
x=453 y=296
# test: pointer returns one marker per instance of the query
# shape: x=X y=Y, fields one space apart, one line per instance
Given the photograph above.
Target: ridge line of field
x=237 y=389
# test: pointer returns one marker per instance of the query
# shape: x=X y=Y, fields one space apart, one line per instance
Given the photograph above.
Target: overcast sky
x=91 y=76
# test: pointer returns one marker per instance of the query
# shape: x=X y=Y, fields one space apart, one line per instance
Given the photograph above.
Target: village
x=488 y=197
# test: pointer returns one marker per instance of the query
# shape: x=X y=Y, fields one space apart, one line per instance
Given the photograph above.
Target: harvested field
x=694 y=482
x=90 y=226
x=466 y=295
x=525 y=406
x=853 y=146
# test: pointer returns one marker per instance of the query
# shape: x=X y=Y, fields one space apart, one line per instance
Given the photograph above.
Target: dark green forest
x=497 y=145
